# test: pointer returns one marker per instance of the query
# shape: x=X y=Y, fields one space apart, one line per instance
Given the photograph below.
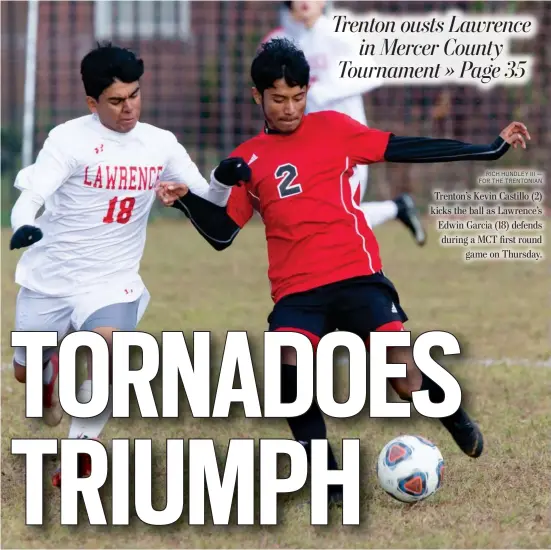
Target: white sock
x=90 y=428
x=48 y=372
x=377 y=213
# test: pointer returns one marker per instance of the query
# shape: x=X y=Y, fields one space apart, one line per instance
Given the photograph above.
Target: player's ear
x=257 y=96
x=92 y=104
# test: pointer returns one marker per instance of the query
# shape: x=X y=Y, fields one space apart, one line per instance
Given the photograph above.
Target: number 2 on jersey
x=124 y=210
x=287 y=187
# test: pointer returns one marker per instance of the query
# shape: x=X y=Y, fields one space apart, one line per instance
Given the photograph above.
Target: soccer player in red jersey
x=324 y=264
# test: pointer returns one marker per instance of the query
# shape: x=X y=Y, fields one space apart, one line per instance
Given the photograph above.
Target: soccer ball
x=410 y=468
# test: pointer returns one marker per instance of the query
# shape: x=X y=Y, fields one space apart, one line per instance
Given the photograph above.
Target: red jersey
x=316 y=233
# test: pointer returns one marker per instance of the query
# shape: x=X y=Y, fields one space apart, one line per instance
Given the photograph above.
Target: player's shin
x=86 y=428
x=90 y=428
x=53 y=413
x=311 y=424
x=464 y=431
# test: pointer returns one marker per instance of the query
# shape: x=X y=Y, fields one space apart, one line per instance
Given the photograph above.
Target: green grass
x=497 y=310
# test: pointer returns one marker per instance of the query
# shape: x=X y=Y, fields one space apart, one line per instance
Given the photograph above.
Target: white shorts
x=36 y=312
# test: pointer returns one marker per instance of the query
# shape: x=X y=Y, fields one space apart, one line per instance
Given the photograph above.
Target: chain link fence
x=197 y=84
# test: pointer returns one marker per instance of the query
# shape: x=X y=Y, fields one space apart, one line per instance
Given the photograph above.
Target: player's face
x=307 y=11
x=283 y=106
x=119 y=106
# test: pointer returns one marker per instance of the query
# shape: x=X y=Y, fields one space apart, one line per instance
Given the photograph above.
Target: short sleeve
x=363 y=144
x=239 y=207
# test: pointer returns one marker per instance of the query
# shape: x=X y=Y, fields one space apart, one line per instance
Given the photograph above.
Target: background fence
x=198 y=55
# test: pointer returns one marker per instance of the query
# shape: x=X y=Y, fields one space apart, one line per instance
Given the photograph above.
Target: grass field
x=498 y=311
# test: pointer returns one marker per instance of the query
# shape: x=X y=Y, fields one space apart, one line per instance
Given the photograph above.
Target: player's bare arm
x=424 y=149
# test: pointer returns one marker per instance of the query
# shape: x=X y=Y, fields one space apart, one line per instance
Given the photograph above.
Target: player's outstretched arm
x=421 y=149
x=212 y=222
x=181 y=169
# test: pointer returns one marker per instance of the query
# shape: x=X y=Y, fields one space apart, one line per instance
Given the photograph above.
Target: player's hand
x=25 y=236
x=233 y=171
x=516 y=134
x=168 y=192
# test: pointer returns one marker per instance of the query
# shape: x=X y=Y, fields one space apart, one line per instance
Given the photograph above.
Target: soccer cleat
x=84 y=469
x=407 y=214
x=53 y=413
x=466 y=434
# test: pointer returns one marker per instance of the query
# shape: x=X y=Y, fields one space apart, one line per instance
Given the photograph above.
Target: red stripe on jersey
x=362 y=228
x=314 y=340
x=393 y=326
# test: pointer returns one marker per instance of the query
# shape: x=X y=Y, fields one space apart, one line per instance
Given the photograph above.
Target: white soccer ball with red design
x=410 y=468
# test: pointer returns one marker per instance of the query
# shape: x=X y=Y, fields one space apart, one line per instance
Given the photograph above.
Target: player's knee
x=20 y=372
x=107 y=334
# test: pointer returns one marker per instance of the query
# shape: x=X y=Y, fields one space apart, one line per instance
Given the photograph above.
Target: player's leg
x=461 y=427
x=38 y=313
x=401 y=208
x=105 y=321
x=371 y=304
x=305 y=313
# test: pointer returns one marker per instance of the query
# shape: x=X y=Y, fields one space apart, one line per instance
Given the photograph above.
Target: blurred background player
x=325 y=269
x=95 y=177
x=305 y=23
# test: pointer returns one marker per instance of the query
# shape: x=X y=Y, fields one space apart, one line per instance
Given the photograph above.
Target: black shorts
x=360 y=305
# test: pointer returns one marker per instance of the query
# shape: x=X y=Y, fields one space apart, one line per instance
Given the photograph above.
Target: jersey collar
x=272 y=131
x=268 y=130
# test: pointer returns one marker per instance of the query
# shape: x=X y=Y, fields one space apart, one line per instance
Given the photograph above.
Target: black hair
x=279 y=58
x=100 y=67
x=288 y=5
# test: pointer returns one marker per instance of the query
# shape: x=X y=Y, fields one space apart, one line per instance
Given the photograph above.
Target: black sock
x=310 y=425
x=436 y=394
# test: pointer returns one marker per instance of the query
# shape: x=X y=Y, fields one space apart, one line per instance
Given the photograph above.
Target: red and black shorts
x=360 y=305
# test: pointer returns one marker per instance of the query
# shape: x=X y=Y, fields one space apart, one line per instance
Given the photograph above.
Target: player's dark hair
x=288 y=5
x=279 y=58
x=100 y=67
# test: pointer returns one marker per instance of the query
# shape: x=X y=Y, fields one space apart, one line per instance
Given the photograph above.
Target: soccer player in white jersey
x=305 y=23
x=95 y=177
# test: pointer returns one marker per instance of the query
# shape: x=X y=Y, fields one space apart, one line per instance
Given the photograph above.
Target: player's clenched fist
x=516 y=134
x=168 y=193
x=25 y=236
x=232 y=171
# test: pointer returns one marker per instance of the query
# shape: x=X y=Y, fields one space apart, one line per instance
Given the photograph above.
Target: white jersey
x=98 y=187
x=324 y=49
